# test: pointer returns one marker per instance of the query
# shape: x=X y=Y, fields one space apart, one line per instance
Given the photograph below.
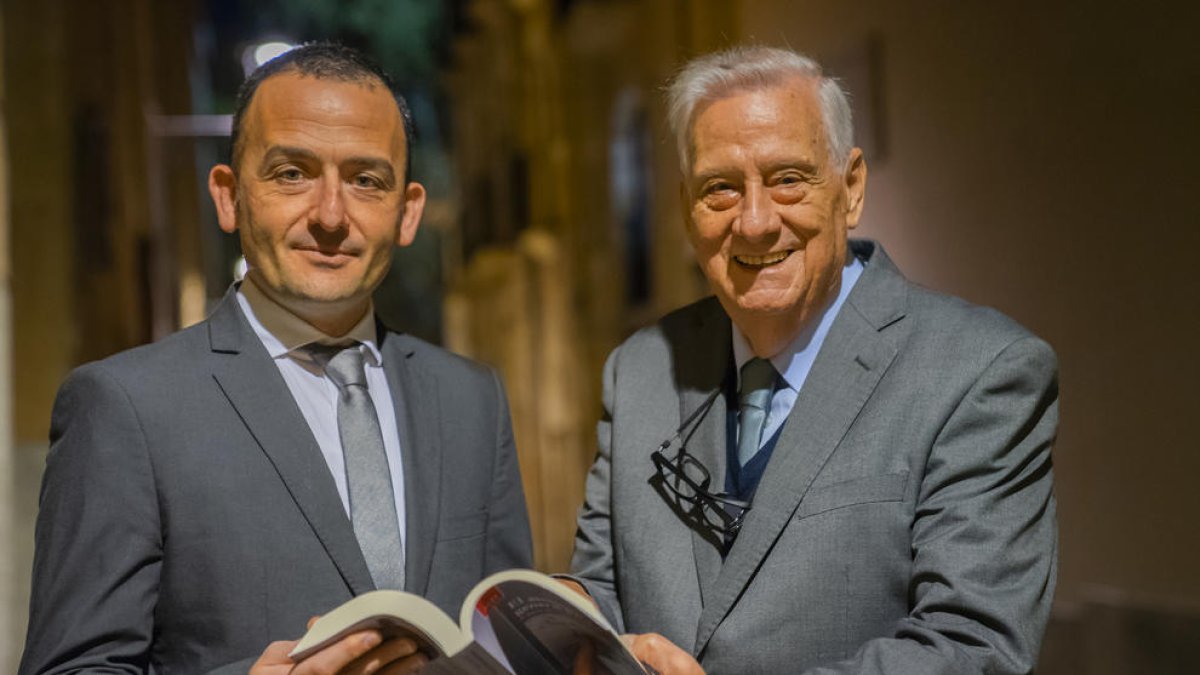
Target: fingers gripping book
x=518 y=622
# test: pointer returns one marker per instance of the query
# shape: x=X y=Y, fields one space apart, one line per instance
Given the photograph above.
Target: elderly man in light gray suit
x=210 y=493
x=825 y=469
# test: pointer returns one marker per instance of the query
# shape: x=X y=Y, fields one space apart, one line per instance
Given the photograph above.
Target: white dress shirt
x=284 y=335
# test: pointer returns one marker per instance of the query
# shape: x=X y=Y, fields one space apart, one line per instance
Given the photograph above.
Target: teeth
x=761 y=260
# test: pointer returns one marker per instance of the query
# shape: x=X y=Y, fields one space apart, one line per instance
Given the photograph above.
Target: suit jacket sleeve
x=984 y=536
x=592 y=562
x=98 y=538
x=509 y=541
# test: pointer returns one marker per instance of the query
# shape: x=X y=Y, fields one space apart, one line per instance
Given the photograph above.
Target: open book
x=518 y=621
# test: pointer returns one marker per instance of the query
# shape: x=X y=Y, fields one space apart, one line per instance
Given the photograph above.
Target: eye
x=366 y=181
x=789 y=179
x=789 y=187
x=718 y=187
x=289 y=174
x=719 y=194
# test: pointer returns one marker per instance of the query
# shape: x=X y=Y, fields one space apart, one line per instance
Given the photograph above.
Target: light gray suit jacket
x=905 y=522
x=188 y=519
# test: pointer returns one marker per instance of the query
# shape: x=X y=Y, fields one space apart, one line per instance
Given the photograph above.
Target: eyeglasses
x=688 y=481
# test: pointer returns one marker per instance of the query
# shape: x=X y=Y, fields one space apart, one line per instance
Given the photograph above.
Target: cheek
x=264 y=241
x=709 y=233
x=808 y=222
x=382 y=241
x=823 y=259
x=277 y=209
x=712 y=255
x=375 y=219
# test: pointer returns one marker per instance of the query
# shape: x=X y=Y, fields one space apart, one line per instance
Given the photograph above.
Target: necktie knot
x=343 y=365
x=758 y=383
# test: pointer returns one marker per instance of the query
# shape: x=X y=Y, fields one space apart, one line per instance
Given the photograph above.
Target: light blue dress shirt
x=795 y=360
x=284 y=334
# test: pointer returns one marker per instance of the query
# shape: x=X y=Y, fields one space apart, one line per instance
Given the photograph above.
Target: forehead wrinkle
x=277 y=150
x=298 y=109
x=345 y=132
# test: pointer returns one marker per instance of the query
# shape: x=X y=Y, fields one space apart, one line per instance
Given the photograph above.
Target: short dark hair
x=324 y=61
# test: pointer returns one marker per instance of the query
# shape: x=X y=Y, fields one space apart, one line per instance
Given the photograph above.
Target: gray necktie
x=754 y=401
x=372 y=502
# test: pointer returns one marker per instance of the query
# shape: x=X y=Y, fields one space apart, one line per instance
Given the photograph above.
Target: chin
x=333 y=296
x=322 y=293
x=757 y=306
x=767 y=309
x=767 y=301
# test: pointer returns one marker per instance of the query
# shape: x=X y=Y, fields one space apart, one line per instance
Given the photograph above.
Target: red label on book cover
x=488 y=600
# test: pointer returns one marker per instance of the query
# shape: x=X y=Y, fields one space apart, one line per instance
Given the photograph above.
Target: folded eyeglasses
x=689 y=482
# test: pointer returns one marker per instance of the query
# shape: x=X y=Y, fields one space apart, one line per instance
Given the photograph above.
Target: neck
x=334 y=323
x=768 y=337
x=769 y=334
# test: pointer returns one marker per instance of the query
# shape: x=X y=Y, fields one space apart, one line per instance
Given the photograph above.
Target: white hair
x=720 y=74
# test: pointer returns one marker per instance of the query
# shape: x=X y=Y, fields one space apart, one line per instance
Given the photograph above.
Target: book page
x=393 y=613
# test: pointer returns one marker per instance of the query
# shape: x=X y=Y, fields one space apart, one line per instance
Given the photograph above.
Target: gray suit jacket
x=187 y=517
x=904 y=524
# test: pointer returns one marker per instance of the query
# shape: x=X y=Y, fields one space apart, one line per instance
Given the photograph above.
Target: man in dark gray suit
x=825 y=468
x=210 y=493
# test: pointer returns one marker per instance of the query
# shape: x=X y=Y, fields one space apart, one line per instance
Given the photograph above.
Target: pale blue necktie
x=754 y=402
x=368 y=480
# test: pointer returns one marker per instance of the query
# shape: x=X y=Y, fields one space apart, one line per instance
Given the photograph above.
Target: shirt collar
x=282 y=332
x=795 y=360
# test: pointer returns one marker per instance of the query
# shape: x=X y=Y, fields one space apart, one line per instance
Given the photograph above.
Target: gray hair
x=720 y=74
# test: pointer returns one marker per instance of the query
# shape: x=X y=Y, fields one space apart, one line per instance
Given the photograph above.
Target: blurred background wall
x=1038 y=157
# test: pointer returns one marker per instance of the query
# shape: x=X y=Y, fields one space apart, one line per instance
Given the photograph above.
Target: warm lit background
x=1039 y=157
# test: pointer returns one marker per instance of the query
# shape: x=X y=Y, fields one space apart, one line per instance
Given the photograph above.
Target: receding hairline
x=251 y=121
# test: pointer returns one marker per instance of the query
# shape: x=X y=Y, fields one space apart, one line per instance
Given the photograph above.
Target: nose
x=758 y=218
x=330 y=209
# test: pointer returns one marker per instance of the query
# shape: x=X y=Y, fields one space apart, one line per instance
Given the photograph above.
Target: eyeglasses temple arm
x=702 y=408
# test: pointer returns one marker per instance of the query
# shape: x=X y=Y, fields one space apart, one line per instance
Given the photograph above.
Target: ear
x=222 y=185
x=410 y=217
x=855 y=183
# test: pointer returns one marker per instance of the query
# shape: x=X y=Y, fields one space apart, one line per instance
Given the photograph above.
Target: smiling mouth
x=760 y=261
x=333 y=253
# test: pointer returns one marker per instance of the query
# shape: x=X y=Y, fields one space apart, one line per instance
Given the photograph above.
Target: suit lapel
x=853 y=358
x=709 y=361
x=256 y=390
x=418 y=417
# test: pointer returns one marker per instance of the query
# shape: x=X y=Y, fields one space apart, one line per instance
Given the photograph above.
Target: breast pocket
x=888 y=487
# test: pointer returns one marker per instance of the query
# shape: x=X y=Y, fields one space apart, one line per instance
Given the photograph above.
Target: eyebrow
x=712 y=174
x=288 y=152
x=803 y=165
x=280 y=152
